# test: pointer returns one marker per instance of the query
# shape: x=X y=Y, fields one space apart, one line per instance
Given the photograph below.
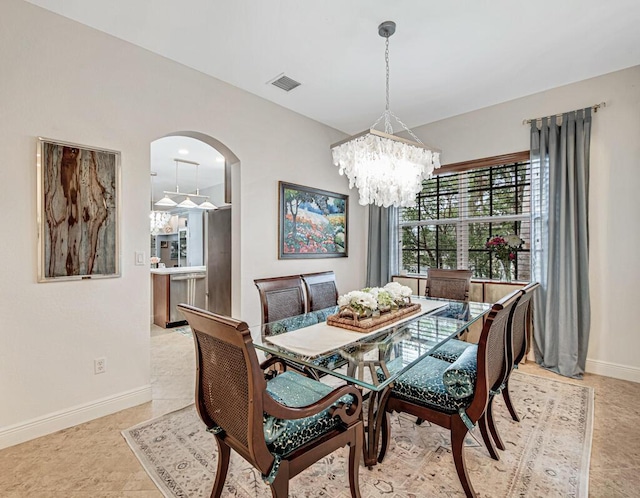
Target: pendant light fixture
x=167 y=201
x=187 y=203
x=387 y=170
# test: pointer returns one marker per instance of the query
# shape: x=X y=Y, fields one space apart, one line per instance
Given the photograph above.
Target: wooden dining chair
x=516 y=348
x=448 y=284
x=455 y=395
x=280 y=426
x=522 y=321
x=321 y=290
x=281 y=297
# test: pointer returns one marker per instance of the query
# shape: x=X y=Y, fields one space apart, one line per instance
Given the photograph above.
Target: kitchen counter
x=180 y=269
x=173 y=286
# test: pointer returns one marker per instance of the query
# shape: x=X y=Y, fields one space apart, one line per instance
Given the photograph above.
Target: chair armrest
x=274 y=360
x=268 y=367
x=346 y=414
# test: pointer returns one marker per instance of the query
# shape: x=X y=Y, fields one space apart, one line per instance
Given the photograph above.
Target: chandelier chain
x=407 y=129
x=387 y=121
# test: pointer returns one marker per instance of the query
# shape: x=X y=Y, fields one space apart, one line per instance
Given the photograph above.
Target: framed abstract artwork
x=78 y=210
x=313 y=223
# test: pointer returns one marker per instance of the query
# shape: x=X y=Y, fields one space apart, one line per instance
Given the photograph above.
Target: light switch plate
x=139 y=258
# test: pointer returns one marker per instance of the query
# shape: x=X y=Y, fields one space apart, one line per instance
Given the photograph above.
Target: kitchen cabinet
x=173 y=286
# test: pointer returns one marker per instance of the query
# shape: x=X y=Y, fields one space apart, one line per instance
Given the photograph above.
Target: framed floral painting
x=313 y=223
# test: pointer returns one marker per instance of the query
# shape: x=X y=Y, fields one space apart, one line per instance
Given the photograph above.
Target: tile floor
x=93 y=460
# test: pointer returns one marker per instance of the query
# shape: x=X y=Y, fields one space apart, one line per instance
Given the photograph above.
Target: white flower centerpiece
x=384 y=299
x=363 y=303
x=401 y=294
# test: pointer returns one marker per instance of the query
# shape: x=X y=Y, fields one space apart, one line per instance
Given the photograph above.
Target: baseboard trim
x=614 y=370
x=41 y=426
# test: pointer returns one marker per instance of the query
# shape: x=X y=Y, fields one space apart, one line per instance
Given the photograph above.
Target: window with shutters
x=458 y=211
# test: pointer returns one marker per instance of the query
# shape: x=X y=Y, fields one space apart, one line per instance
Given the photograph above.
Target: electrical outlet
x=99 y=365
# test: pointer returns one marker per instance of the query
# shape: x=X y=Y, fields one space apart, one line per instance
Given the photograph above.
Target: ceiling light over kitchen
x=167 y=201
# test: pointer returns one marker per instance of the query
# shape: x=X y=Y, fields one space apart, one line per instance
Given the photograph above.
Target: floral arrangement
x=154 y=260
x=505 y=248
x=384 y=299
x=399 y=293
x=360 y=301
x=370 y=299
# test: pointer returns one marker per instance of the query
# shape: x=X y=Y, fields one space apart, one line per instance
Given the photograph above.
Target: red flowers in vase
x=505 y=249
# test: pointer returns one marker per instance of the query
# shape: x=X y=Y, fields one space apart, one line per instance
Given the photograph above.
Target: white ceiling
x=210 y=170
x=447 y=57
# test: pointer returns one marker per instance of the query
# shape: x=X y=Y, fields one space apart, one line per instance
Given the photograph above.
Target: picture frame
x=164 y=244
x=78 y=196
x=312 y=223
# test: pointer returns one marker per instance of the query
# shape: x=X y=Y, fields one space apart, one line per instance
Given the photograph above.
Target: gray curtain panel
x=382 y=247
x=560 y=252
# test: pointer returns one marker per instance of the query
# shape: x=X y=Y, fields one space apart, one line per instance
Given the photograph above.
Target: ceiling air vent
x=284 y=82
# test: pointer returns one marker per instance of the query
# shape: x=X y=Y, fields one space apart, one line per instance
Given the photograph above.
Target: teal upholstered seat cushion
x=459 y=378
x=451 y=350
x=294 y=390
x=422 y=384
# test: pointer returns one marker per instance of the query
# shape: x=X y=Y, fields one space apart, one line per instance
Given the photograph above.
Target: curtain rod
x=594 y=107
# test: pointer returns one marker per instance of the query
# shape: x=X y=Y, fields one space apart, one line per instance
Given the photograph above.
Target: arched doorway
x=194 y=166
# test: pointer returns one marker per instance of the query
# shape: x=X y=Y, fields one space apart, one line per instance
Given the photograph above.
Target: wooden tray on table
x=371 y=323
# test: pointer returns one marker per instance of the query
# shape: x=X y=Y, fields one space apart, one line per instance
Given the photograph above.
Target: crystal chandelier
x=387 y=170
x=158 y=220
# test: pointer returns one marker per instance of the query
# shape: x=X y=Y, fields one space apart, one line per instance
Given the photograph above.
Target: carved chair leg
x=507 y=401
x=224 y=453
x=492 y=426
x=458 y=433
x=280 y=485
x=488 y=442
x=354 y=461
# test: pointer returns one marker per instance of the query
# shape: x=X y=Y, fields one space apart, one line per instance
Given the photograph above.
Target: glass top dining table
x=307 y=340
x=371 y=360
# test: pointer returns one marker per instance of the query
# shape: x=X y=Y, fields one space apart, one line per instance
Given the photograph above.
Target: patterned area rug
x=184 y=330
x=547 y=454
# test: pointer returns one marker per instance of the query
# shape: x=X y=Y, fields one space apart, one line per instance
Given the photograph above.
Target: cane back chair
x=281 y=297
x=449 y=284
x=522 y=320
x=321 y=290
x=455 y=395
x=280 y=426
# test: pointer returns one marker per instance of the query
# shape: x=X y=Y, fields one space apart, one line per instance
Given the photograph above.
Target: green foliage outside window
x=456 y=214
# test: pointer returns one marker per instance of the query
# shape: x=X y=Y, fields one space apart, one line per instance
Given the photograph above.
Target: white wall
x=66 y=81
x=614 y=197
